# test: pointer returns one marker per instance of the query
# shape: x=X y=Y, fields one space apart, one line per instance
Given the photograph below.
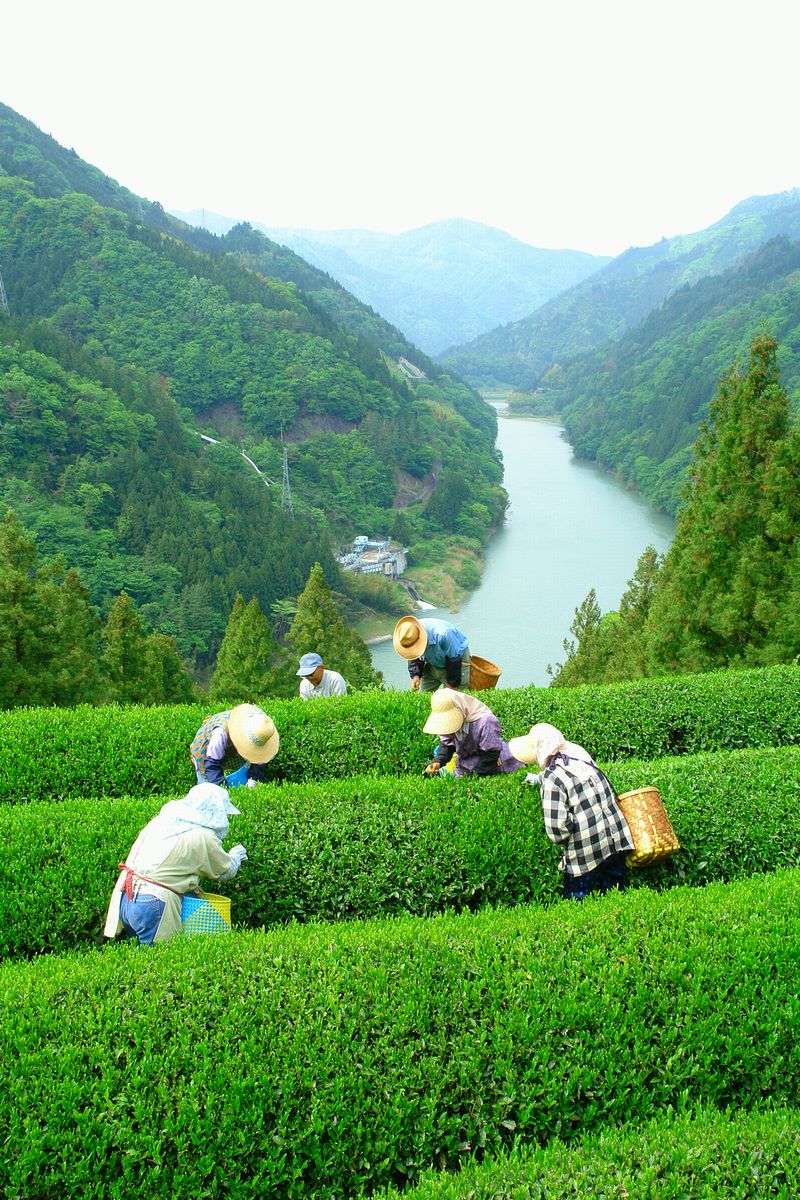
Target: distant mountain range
x=621 y=294
x=442 y=284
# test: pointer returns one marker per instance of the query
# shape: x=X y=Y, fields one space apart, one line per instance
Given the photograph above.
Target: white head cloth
x=206 y=805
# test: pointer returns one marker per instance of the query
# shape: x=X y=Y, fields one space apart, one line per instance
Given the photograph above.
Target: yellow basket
x=653 y=836
x=483 y=674
x=205 y=913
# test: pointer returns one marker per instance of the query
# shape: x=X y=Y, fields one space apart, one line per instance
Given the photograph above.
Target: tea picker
x=580 y=811
x=245 y=731
x=181 y=845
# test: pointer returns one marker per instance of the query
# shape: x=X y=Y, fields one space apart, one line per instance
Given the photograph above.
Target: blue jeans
x=612 y=873
x=141 y=917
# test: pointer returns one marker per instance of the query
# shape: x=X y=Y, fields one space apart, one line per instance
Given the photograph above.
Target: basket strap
x=130 y=875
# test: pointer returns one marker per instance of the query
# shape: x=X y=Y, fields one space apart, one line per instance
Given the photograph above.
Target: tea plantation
x=405 y=1005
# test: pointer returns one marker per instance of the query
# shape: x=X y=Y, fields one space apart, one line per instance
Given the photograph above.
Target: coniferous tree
x=245 y=664
x=26 y=621
x=124 y=659
x=724 y=577
x=76 y=674
x=167 y=679
x=317 y=627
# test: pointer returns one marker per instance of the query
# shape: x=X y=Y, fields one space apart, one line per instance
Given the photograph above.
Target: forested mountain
x=129 y=333
x=635 y=405
x=621 y=295
x=442 y=284
x=727 y=592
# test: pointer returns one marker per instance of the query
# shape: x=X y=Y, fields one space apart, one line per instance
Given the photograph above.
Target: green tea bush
x=367 y=847
x=322 y=1061
x=706 y=1155
x=52 y=753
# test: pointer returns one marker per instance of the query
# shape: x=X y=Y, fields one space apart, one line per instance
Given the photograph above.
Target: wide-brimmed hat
x=253 y=733
x=446 y=716
x=309 y=664
x=410 y=637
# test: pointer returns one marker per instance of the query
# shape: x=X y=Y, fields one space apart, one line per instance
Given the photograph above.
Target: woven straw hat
x=445 y=716
x=253 y=733
x=409 y=638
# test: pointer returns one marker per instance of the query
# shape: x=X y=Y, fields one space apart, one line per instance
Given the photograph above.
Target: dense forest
x=621 y=295
x=635 y=405
x=727 y=592
x=129 y=334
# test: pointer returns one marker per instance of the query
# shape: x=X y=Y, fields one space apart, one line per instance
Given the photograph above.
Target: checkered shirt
x=583 y=816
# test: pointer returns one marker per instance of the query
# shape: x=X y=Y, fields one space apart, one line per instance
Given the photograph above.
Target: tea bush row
x=322 y=1061
x=705 y=1154
x=365 y=847
x=112 y=751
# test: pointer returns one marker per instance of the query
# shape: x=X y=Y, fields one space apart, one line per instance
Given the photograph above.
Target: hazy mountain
x=441 y=284
x=140 y=357
x=621 y=295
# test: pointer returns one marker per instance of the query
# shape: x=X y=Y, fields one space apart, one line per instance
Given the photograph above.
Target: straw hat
x=410 y=637
x=253 y=733
x=445 y=716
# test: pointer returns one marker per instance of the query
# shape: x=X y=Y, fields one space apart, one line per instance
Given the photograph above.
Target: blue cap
x=309 y=664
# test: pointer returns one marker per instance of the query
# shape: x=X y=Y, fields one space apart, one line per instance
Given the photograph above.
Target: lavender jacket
x=481 y=748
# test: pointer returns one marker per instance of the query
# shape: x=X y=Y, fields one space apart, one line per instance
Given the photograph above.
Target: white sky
x=567 y=123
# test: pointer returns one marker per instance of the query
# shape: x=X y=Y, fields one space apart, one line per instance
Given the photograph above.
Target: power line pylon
x=3 y=298
x=286 y=491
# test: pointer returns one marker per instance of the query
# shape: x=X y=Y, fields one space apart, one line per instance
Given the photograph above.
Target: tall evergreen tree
x=245 y=663
x=318 y=627
x=26 y=621
x=724 y=576
x=124 y=659
x=76 y=674
x=167 y=679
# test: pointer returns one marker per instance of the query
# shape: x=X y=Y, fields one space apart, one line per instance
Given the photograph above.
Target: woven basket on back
x=483 y=674
x=653 y=835
x=205 y=913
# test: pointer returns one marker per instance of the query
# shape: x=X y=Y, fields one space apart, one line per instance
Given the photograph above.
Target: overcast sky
x=588 y=124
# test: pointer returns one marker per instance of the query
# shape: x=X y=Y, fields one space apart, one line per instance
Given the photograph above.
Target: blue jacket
x=445 y=649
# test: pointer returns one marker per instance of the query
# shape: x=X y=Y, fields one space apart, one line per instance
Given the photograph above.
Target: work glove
x=432 y=768
x=251 y=783
x=238 y=854
x=533 y=780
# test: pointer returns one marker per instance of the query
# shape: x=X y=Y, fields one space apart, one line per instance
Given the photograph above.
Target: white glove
x=533 y=779
x=237 y=854
x=251 y=783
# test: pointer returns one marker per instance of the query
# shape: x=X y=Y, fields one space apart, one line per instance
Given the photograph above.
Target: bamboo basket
x=205 y=913
x=483 y=674
x=653 y=836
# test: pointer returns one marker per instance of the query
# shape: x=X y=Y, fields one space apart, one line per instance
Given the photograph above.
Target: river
x=569 y=527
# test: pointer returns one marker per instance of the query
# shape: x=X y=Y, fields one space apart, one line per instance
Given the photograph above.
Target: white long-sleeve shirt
x=331 y=684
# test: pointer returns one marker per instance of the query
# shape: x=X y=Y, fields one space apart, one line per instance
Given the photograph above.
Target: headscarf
x=472 y=708
x=206 y=805
x=549 y=741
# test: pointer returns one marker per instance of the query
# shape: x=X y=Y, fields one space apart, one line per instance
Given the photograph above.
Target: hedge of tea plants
x=706 y=1154
x=330 y=1060
x=112 y=751
x=367 y=847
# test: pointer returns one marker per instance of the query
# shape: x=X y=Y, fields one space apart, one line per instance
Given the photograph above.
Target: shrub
x=706 y=1154
x=49 y=753
x=367 y=847
x=330 y=1060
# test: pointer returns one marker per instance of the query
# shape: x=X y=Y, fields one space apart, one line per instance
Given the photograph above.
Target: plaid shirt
x=583 y=816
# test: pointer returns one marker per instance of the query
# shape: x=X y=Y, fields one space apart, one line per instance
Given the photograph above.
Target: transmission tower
x=286 y=491
x=140 y=212
x=3 y=297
